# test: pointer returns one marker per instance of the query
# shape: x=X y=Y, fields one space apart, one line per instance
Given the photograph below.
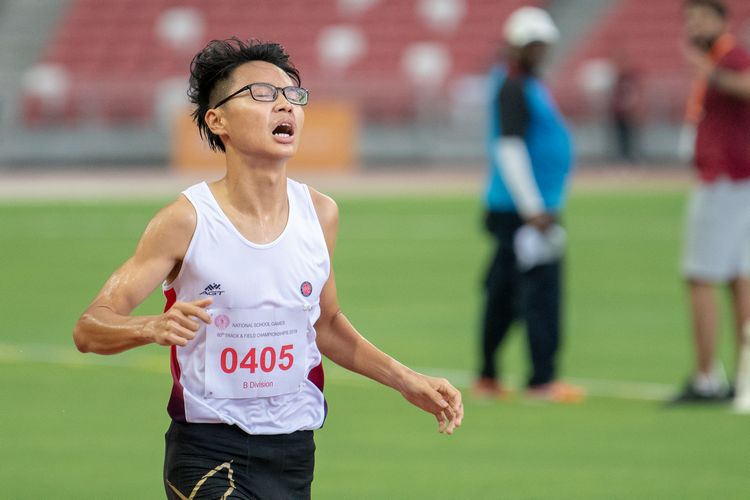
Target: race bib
x=252 y=353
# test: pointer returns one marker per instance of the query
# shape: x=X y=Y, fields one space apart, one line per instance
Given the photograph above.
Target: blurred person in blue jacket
x=530 y=160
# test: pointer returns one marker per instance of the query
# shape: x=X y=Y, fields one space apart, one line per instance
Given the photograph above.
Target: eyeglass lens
x=267 y=92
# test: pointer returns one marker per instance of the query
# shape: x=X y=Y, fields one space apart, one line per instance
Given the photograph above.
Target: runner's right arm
x=106 y=326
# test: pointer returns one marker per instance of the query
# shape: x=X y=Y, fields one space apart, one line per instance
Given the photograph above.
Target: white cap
x=530 y=24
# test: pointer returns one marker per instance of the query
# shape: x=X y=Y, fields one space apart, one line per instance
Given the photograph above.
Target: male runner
x=251 y=296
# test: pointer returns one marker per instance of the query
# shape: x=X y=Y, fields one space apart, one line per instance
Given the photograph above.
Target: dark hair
x=717 y=5
x=212 y=68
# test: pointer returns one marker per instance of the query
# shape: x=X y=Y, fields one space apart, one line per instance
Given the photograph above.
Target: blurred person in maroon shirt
x=718 y=218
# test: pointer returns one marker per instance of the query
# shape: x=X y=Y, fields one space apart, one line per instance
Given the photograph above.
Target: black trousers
x=218 y=461
x=533 y=296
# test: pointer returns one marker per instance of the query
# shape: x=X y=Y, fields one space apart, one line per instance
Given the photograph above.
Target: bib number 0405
x=267 y=361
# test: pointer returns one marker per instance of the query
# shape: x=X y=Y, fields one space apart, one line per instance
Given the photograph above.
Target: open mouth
x=283 y=130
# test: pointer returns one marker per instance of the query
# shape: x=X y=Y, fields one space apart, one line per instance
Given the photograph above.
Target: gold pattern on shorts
x=197 y=487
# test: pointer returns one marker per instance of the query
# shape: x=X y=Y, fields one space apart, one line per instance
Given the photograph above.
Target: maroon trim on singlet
x=176 y=405
x=317 y=377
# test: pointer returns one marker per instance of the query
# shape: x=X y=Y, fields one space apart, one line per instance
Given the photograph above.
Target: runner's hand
x=178 y=325
x=436 y=396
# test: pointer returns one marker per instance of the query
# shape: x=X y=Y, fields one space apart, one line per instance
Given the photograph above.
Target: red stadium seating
x=649 y=33
x=116 y=60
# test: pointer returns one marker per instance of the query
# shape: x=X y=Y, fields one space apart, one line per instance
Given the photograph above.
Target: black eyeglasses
x=265 y=92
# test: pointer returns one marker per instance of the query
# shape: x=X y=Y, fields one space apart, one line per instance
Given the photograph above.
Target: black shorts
x=218 y=461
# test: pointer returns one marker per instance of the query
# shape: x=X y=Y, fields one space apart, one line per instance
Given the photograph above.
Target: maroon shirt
x=722 y=145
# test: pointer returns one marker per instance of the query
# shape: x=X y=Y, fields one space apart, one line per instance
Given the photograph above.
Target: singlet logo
x=306 y=288
x=212 y=289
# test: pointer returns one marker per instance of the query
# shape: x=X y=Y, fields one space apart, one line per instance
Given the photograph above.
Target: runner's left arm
x=339 y=341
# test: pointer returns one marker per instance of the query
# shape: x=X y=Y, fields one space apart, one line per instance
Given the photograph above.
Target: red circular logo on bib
x=306 y=288
x=222 y=321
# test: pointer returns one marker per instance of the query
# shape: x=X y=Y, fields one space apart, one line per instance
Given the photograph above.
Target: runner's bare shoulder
x=172 y=228
x=326 y=208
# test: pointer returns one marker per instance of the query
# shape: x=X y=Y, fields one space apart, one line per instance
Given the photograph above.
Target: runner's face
x=703 y=26
x=263 y=129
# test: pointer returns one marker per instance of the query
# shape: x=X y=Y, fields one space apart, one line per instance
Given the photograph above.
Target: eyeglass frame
x=276 y=90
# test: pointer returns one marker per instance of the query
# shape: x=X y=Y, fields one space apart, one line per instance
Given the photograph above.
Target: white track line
x=64 y=356
x=160 y=184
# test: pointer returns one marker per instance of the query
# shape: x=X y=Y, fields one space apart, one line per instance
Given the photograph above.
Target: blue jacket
x=547 y=139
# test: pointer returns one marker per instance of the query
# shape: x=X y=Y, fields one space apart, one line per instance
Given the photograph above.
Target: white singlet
x=257 y=365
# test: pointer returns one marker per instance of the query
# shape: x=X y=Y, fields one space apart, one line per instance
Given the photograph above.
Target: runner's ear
x=215 y=121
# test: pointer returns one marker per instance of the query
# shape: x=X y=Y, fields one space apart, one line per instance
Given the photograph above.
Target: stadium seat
x=102 y=44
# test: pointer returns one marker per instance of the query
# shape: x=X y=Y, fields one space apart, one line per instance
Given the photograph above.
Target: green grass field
x=76 y=426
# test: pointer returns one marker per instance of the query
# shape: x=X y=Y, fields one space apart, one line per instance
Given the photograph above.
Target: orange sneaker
x=557 y=392
x=489 y=388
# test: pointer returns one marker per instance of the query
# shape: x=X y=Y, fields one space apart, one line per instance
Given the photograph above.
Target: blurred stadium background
x=92 y=91
x=91 y=82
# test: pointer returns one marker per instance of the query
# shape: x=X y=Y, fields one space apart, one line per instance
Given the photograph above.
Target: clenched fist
x=178 y=325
